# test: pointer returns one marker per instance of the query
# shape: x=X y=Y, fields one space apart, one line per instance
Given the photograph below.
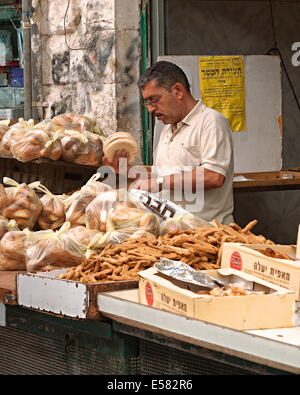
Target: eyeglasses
x=152 y=102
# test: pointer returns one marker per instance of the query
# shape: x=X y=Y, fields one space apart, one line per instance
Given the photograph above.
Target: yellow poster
x=222 y=85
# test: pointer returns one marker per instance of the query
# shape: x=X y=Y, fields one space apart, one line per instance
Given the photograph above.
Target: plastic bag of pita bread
x=48 y=249
x=77 y=203
x=74 y=121
x=122 y=224
x=96 y=213
x=81 y=147
x=23 y=204
x=53 y=213
x=26 y=141
x=13 y=250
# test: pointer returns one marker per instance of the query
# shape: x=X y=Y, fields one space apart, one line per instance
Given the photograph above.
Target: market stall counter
x=267 y=181
x=136 y=339
x=270 y=348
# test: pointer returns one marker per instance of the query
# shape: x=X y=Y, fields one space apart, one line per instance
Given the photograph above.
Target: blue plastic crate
x=17 y=77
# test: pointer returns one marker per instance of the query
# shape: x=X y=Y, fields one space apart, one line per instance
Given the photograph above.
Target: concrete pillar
x=90 y=51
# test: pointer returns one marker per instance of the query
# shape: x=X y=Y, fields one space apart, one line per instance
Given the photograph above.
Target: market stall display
x=122 y=231
x=67 y=137
x=201 y=248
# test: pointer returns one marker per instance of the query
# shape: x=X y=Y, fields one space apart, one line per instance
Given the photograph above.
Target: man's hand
x=119 y=162
x=146 y=184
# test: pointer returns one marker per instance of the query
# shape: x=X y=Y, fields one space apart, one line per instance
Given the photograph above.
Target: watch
x=160 y=181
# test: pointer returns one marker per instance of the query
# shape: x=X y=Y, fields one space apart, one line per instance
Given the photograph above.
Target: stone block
x=55 y=60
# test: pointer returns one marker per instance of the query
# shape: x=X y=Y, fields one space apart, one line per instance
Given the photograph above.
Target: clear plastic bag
x=34 y=144
x=26 y=141
x=48 y=249
x=23 y=204
x=7 y=226
x=74 y=121
x=12 y=251
x=16 y=131
x=3 y=127
x=83 y=235
x=3 y=198
x=77 y=203
x=96 y=213
x=81 y=147
x=53 y=213
x=123 y=223
x=182 y=221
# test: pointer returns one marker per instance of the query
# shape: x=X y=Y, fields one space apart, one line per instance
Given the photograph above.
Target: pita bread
x=118 y=135
x=120 y=141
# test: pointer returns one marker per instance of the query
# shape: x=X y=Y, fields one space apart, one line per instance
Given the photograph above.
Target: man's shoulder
x=209 y=111
x=213 y=116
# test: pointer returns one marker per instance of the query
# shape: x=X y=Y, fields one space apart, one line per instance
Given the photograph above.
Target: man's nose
x=150 y=108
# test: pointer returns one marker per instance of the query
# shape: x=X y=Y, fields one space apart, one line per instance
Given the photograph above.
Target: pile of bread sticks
x=201 y=248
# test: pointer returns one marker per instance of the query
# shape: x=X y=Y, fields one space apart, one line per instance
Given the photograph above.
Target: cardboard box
x=274 y=309
x=246 y=257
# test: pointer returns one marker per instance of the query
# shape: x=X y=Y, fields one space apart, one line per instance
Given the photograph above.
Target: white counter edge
x=241 y=344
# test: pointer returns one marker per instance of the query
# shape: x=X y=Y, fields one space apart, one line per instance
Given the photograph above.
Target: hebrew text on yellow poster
x=222 y=84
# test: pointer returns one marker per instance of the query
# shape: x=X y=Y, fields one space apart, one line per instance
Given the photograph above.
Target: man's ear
x=179 y=90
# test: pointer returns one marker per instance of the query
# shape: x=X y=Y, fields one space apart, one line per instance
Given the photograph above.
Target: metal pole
x=27 y=59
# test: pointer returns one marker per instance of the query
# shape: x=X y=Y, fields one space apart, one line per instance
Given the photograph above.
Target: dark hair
x=164 y=73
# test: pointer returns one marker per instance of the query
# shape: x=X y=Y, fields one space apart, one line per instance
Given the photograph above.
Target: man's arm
x=211 y=178
x=198 y=178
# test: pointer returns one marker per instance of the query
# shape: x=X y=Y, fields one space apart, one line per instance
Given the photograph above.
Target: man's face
x=162 y=102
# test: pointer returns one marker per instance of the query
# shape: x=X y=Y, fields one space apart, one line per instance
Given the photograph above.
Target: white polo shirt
x=203 y=138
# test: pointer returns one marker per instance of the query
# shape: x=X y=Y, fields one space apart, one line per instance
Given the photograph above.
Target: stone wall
x=87 y=60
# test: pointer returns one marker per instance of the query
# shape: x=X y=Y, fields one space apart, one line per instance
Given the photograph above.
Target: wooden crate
x=59 y=177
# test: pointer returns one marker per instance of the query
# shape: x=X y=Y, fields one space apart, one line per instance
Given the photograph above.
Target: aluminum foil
x=183 y=272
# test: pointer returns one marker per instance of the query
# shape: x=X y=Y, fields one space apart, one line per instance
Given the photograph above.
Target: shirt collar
x=188 y=119
x=198 y=108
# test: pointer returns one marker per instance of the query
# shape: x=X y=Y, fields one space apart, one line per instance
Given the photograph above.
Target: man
x=194 y=154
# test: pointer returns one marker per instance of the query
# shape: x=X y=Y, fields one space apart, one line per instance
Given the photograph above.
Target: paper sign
x=222 y=85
